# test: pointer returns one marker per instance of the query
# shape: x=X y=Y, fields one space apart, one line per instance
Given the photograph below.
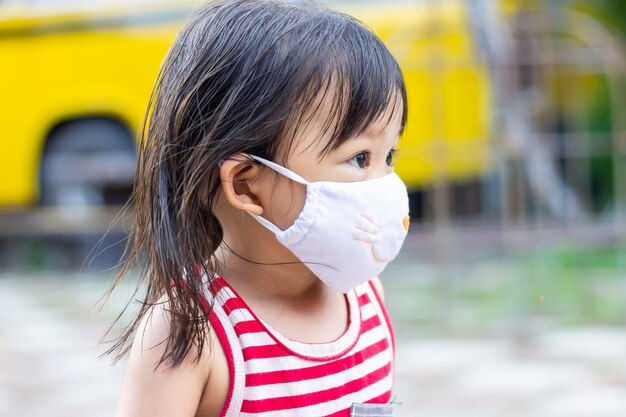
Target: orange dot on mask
x=406 y=222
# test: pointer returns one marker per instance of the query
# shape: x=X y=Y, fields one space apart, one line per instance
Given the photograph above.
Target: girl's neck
x=252 y=260
x=292 y=300
x=266 y=276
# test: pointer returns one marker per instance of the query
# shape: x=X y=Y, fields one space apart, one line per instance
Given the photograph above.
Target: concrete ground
x=49 y=365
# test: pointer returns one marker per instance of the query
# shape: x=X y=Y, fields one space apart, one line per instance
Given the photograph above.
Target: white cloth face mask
x=347 y=232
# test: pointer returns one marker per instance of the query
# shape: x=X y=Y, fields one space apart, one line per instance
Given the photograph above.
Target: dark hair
x=240 y=77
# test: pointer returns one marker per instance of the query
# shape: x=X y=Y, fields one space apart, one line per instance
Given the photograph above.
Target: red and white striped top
x=271 y=375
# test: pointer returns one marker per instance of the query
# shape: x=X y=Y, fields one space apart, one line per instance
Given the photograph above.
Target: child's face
x=280 y=200
x=366 y=156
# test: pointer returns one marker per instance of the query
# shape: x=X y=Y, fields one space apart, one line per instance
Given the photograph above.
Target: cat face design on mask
x=370 y=233
x=347 y=232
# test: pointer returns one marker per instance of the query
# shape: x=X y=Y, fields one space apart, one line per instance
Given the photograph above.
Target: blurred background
x=509 y=297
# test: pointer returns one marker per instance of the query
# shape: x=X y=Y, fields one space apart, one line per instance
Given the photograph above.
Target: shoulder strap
x=229 y=342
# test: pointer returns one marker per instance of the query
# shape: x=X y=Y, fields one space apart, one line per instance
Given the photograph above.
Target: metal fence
x=550 y=162
x=556 y=176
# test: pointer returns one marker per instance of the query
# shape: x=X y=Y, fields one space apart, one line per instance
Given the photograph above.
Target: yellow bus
x=76 y=76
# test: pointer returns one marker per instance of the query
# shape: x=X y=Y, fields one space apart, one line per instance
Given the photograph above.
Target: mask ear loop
x=281 y=170
x=287 y=173
x=266 y=223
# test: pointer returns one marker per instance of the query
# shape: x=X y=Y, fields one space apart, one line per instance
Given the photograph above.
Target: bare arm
x=162 y=391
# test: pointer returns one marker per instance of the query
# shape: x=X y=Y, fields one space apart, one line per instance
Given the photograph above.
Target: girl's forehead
x=316 y=136
x=321 y=126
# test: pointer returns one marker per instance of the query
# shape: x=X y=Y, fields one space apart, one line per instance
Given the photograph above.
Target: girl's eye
x=361 y=160
x=391 y=156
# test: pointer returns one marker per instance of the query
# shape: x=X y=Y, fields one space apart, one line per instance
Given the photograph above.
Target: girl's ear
x=238 y=177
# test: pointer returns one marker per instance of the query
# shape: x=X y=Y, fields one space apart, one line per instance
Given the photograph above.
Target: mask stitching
x=369 y=220
x=365 y=230
x=376 y=258
x=369 y=242
x=313 y=200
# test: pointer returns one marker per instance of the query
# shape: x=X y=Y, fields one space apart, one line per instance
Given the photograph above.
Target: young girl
x=266 y=205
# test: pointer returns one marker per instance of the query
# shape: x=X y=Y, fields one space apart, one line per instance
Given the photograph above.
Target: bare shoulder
x=379 y=287
x=158 y=389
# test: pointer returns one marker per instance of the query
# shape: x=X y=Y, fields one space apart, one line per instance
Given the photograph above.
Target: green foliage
x=612 y=12
x=565 y=286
